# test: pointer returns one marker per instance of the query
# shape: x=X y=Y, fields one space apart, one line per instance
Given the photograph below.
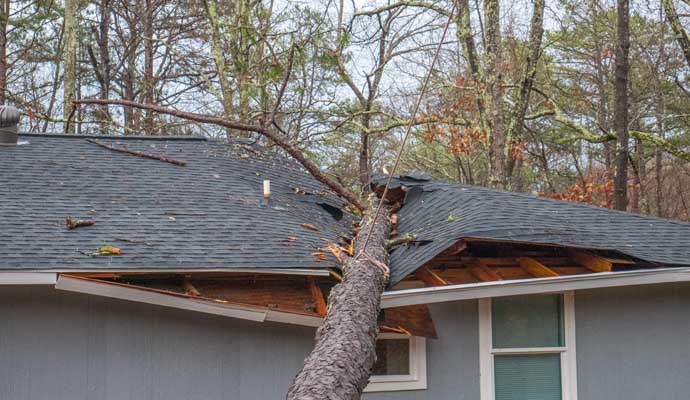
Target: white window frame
x=567 y=352
x=415 y=380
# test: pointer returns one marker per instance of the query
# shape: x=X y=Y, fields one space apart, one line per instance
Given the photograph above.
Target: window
x=527 y=347
x=400 y=363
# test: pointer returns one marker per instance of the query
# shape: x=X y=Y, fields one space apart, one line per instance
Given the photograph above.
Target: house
x=187 y=268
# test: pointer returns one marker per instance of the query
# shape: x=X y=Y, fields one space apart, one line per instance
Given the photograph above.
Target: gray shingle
x=208 y=214
x=477 y=212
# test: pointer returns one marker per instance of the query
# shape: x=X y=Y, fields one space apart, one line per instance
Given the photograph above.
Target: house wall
x=632 y=343
x=66 y=346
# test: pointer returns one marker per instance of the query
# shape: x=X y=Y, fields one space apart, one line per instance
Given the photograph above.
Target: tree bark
x=4 y=19
x=149 y=127
x=621 y=110
x=211 y=7
x=494 y=87
x=677 y=27
x=518 y=117
x=339 y=366
x=70 y=53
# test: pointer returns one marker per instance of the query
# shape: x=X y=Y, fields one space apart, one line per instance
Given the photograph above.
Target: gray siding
x=452 y=359
x=633 y=343
x=64 y=346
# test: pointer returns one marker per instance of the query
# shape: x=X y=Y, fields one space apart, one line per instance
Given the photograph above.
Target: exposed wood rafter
x=480 y=271
x=457 y=248
x=429 y=277
x=317 y=294
x=189 y=288
x=535 y=268
x=591 y=261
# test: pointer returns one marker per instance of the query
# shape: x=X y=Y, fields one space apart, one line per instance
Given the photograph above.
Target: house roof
x=209 y=214
x=440 y=213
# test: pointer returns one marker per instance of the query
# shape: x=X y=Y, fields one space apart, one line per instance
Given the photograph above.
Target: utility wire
x=407 y=131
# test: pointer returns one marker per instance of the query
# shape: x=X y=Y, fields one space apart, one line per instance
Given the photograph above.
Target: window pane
x=528 y=377
x=527 y=321
x=392 y=357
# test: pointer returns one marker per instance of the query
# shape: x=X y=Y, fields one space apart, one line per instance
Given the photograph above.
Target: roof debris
x=103 y=250
x=74 y=224
x=310 y=227
x=139 y=153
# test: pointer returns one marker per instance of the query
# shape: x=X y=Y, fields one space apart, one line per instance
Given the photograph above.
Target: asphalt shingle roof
x=209 y=214
x=440 y=213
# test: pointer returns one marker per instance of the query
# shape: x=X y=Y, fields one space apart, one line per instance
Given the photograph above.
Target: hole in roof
x=335 y=212
x=413 y=194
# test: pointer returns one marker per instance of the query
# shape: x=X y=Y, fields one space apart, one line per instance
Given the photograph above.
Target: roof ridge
x=115 y=137
x=455 y=185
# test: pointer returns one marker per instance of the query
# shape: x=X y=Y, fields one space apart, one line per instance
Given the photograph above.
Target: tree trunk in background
x=518 y=116
x=494 y=87
x=149 y=127
x=243 y=60
x=211 y=7
x=681 y=35
x=338 y=367
x=70 y=61
x=104 y=50
x=4 y=19
x=621 y=110
x=131 y=123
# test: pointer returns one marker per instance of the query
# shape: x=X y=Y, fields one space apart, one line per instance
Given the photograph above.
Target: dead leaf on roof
x=337 y=250
x=74 y=224
x=109 y=250
x=103 y=250
x=311 y=227
x=320 y=256
x=291 y=239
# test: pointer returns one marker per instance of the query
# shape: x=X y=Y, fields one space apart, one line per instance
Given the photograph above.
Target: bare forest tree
x=579 y=100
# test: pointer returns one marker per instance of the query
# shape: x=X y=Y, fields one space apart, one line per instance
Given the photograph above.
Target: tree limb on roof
x=139 y=153
x=278 y=139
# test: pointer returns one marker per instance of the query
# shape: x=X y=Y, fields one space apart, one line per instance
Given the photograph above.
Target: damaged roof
x=208 y=214
x=440 y=213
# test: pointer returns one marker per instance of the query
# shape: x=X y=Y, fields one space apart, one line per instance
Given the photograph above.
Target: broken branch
x=138 y=153
x=410 y=237
x=74 y=224
x=274 y=136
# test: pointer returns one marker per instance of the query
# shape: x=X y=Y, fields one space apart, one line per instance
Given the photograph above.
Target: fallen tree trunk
x=339 y=366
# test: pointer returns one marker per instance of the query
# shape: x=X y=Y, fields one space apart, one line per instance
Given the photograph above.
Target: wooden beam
x=591 y=261
x=456 y=248
x=317 y=294
x=189 y=289
x=535 y=268
x=482 y=272
x=429 y=277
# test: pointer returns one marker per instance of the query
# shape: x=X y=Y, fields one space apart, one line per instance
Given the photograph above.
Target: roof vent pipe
x=9 y=119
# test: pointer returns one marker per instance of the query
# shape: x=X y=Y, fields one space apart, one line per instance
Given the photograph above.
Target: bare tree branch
x=278 y=139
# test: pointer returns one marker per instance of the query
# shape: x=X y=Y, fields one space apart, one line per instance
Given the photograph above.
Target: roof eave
x=440 y=294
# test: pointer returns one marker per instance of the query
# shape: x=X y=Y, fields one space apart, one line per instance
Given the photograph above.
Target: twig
x=139 y=153
x=69 y=117
x=74 y=224
x=401 y=240
x=124 y=239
